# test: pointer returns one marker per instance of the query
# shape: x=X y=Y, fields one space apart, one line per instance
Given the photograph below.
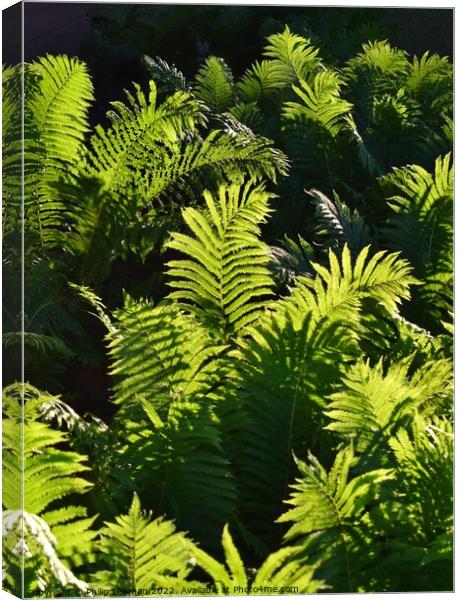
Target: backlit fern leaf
x=56 y=121
x=327 y=506
x=138 y=551
x=313 y=126
x=290 y=57
x=50 y=474
x=214 y=84
x=225 y=279
x=422 y=228
x=369 y=404
x=338 y=225
x=283 y=570
x=166 y=368
x=158 y=354
x=288 y=363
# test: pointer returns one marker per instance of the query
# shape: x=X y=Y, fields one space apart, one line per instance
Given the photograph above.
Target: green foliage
x=226 y=279
x=276 y=316
x=37 y=476
x=140 y=553
x=421 y=226
x=282 y=570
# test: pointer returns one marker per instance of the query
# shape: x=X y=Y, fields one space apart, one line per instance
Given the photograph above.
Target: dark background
x=112 y=38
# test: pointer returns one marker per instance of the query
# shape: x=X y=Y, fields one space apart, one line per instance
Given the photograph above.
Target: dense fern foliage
x=260 y=267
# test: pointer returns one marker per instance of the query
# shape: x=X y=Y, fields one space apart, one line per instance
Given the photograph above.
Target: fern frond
x=323 y=500
x=430 y=83
x=139 y=128
x=49 y=475
x=225 y=279
x=167 y=77
x=328 y=506
x=337 y=225
x=21 y=528
x=158 y=354
x=377 y=70
x=370 y=403
x=294 y=55
x=282 y=572
x=138 y=550
x=424 y=455
x=56 y=124
x=214 y=84
x=288 y=363
x=290 y=57
x=312 y=128
x=383 y=277
x=167 y=370
x=422 y=227
x=321 y=105
x=60 y=109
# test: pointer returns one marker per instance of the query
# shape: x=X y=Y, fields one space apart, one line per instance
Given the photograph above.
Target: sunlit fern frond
x=137 y=551
x=224 y=280
x=421 y=227
x=214 y=84
x=283 y=571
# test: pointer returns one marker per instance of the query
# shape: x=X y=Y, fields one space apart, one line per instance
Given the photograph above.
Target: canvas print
x=227 y=302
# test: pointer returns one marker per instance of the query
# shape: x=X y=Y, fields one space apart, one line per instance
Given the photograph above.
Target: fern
x=337 y=225
x=56 y=123
x=167 y=77
x=288 y=364
x=226 y=280
x=214 y=84
x=167 y=385
x=371 y=404
x=430 y=83
x=30 y=536
x=422 y=228
x=290 y=58
x=283 y=571
x=49 y=474
x=138 y=552
x=330 y=504
x=312 y=127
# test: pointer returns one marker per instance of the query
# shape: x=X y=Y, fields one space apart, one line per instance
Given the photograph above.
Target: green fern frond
x=321 y=105
x=138 y=551
x=167 y=370
x=290 y=58
x=158 y=354
x=214 y=84
x=167 y=77
x=177 y=463
x=379 y=69
x=225 y=279
x=312 y=128
x=139 y=128
x=422 y=227
x=370 y=403
x=56 y=122
x=383 y=277
x=324 y=500
x=60 y=109
x=338 y=225
x=282 y=572
x=294 y=55
x=31 y=533
x=424 y=455
x=430 y=83
x=49 y=475
x=327 y=509
x=288 y=364
x=222 y=153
